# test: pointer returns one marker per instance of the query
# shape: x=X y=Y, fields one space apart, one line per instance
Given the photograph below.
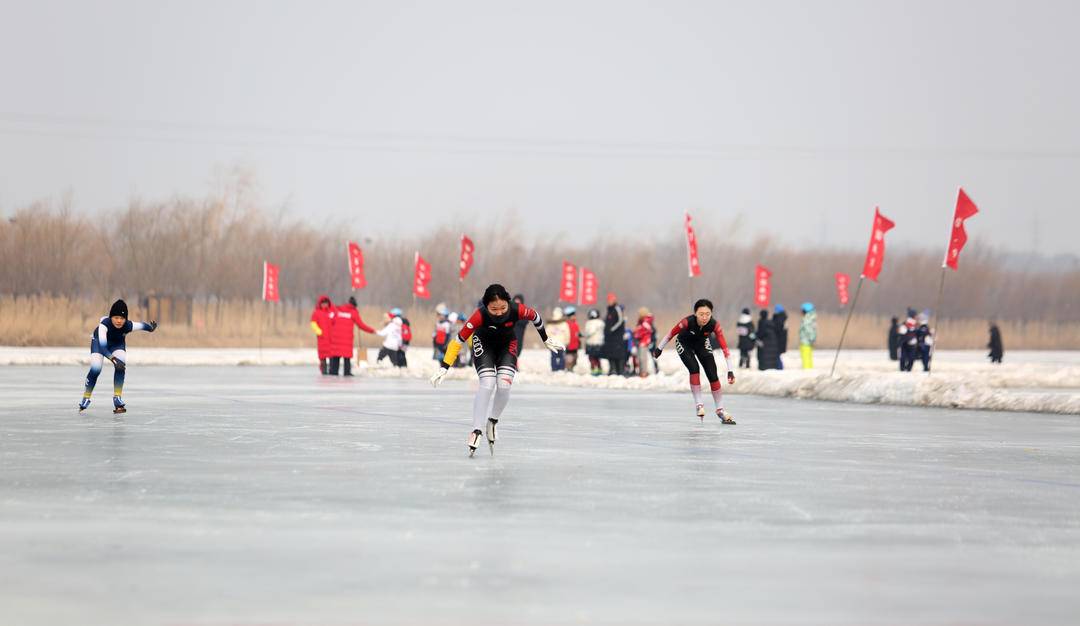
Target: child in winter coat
x=643 y=339
x=807 y=335
x=322 y=318
x=558 y=331
x=574 y=344
x=440 y=337
x=594 y=341
x=392 y=342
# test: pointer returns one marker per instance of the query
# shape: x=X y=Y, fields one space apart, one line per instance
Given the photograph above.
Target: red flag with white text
x=270 y=291
x=691 y=250
x=421 y=277
x=466 y=262
x=875 y=253
x=843 y=284
x=356 y=266
x=762 y=286
x=965 y=208
x=568 y=292
x=589 y=287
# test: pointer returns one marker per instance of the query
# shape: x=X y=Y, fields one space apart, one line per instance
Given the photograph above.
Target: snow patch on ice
x=1040 y=382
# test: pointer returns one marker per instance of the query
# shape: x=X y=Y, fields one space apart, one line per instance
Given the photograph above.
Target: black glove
x=153 y=326
x=118 y=363
x=656 y=353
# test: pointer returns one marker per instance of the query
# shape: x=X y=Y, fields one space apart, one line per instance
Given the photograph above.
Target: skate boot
x=724 y=417
x=701 y=411
x=491 y=424
x=474 y=440
x=118 y=405
x=84 y=404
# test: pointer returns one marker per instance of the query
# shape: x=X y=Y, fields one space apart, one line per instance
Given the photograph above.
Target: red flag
x=589 y=287
x=843 y=282
x=270 y=282
x=421 y=277
x=466 y=256
x=965 y=208
x=691 y=249
x=875 y=253
x=762 y=287
x=356 y=266
x=568 y=291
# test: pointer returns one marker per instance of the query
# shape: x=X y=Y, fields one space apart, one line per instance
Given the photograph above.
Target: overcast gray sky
x=582 y=116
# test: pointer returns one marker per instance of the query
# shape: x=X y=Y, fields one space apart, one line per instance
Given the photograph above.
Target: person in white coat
x=392 y=342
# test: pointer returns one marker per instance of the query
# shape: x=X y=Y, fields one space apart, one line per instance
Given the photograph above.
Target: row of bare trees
x=213 y=247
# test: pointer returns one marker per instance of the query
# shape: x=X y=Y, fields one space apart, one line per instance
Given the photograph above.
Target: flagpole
x=847 y=321
x=934 y=317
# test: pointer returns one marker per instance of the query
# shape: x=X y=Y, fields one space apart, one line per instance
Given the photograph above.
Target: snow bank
x=1042 y=382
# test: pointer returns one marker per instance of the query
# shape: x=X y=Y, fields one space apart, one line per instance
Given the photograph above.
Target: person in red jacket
x=346 y=316
x=643 y=338
x=693 y=341
x=574 y=344
x=322 y=320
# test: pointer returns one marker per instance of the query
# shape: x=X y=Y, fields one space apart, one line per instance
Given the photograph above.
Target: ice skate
x=701 y=411
x=724 y=417
x=491 y=424
x=84 y=404
x=474 y=440
x=118 y=405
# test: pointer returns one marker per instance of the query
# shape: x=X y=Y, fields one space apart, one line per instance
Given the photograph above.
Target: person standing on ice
x=108 y=342
x=746 y=338
x=766 y=342
x=693 y=343
x=322 y=320
x=495 y=351
x=894 y=339
x=440 y=337
x=574 y=344
x=780 y=322
x=392 y=341
x=559 y=331
x=594 y=342
x=643 y=341
x=615 y=336
x=997 y=348
x=909 y=342
x=807 y=335
x=342 y=339
x=925 y=336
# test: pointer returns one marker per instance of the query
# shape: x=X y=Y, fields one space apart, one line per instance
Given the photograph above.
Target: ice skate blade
x=472 y=451
x=119 y=409
x=491 y=446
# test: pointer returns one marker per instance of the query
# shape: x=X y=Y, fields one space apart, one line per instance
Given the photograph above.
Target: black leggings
x=491 y=353
x=698 y=351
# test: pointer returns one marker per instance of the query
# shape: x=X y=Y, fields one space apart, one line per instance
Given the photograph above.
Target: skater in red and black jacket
x=495 y=348
x=693 y=342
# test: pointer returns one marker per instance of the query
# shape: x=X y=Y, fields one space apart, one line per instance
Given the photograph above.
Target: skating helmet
x=442 y=309
x=807 y=307
x=594 y=314
x=397 y=312
x=570 y=310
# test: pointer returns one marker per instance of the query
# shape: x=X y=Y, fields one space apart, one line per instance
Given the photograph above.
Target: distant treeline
x=213 y=247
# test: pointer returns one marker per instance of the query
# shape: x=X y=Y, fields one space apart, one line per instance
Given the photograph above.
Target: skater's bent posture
x=495 y=351
x=108 y=342
x=693 y=343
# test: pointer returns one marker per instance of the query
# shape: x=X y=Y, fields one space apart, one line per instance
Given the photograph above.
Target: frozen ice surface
x=275 y=496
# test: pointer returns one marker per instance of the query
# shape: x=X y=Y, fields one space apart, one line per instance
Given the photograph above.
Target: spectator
x=997 y=348
x=780 y=323
x=644 y=331
x=558 y=331
x=766 y=342
x=392 y=341
x=894 y=339
x=747 y=336
x=925 y=336
x=574 y=344
x=440 y=337
x=594 y=341
x=321 y=320
x=342 y=339
x=807 y=335
x=615 y=336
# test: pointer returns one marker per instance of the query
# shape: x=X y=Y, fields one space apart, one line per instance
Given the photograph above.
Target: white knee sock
x=502 y=390
x=482 y=402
